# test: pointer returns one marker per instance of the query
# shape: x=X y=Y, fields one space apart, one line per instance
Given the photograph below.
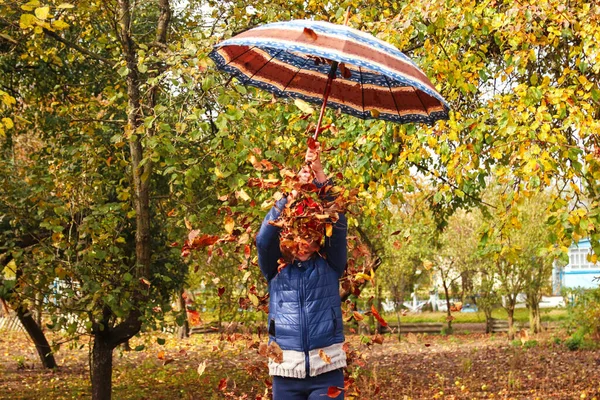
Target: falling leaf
x=358 y=316
x=412 y=338
x=161 y=355
x=362 y=275
x=345 y=72
x=310 y=33
x=275 y=353
x=241 y=194
x=304 y=106
x=229 y=224
x=253 y=299
x=201 y=368
x=328 y=230
x=375 y=113
x=378 y=317
x=326 y=359
x=145 y=281
x=334 y=391
x=378 y=339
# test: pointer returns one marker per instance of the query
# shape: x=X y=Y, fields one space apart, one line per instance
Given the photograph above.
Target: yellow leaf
x=218 y=173
x=304 y=106
x=253 y=299
x=8 y=123
x=60 y=25
x=42 y=12
x=374 y=113
x=30 y=6
x=328 y=230
x=65 y=5
x=27 y=21
x=229 y=224
x=364 y=276
x=246 y=276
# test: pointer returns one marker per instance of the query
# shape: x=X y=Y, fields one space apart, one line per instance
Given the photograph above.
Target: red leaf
x=312 y=143
x=247 y=251
x=310 y=33
x=377 y=316
x=345 y=72
x=223 y=384
x=220 y=291
x=334 y=391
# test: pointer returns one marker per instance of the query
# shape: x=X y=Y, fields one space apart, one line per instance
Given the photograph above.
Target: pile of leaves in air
x=309 y=215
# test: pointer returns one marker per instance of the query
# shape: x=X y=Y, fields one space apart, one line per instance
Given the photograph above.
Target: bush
x=530 y=343
x=584 y=313
x=574 y=343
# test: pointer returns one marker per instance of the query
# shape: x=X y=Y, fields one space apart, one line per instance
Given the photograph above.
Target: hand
x=313 y=159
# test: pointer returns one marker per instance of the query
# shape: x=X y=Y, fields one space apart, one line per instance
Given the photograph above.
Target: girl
x=305 y=315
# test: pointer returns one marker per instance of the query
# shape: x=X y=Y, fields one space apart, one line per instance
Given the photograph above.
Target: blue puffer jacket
x=305 y=314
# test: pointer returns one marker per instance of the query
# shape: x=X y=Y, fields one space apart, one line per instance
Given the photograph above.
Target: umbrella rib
x=290 y=81
x=393 y=98
x=362 y=90
x=264 y=65
x=239 y=55
x=423 y=104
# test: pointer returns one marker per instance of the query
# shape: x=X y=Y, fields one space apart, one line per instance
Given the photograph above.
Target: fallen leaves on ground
x=469 y=366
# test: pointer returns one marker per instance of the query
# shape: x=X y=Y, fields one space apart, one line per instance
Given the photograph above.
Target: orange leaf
x=161 y=355
x=358 y=316
x=310 y=33
x=275 y=353
x=324 y=357
x=377 y=316
x=334 y=391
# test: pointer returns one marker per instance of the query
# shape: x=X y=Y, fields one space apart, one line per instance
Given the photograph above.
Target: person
x=305 y=315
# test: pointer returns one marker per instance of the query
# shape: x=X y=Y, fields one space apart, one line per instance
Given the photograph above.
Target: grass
x=521 y=315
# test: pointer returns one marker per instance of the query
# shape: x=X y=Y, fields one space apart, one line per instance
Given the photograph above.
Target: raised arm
x=336 y=246
x=267 y=242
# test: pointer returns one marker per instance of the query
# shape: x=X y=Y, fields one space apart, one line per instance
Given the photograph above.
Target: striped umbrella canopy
x=332 y=65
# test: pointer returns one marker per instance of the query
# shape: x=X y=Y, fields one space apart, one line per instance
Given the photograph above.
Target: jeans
x=309 y=388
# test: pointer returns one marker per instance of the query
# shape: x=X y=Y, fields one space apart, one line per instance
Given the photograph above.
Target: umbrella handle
x=330 y=78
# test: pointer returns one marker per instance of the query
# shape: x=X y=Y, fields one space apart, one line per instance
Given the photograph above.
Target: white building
x=579 y=272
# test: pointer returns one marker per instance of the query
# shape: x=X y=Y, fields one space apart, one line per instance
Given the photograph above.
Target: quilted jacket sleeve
x=336 y=246
x=267 y=242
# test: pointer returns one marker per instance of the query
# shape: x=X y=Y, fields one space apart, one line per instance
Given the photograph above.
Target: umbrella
x=335 y=66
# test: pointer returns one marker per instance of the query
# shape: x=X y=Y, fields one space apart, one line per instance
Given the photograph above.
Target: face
x=306 y=251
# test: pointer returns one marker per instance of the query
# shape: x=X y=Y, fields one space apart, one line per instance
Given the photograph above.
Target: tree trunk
x=535 y=323
x=184 y=330
x=488 y=319
x=448 y=312
x=510 y=310
x=101 y=368
x=37 y=336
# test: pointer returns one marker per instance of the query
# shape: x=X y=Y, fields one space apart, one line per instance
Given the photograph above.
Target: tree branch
x=80 y=49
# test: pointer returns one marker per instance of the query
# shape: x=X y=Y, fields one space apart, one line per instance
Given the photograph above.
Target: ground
x=211 y=366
